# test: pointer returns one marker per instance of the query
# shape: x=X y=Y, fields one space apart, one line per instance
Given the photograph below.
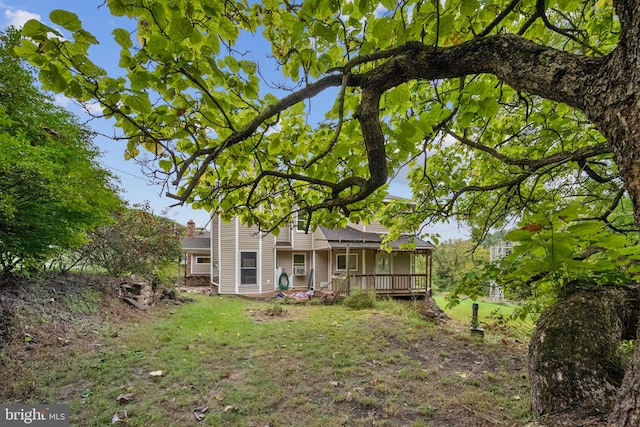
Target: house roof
x=202 y=241
x=356 y=239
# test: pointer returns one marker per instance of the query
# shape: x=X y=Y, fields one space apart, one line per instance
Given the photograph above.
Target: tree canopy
x=51 y=188
x=481 y=100
x=493 y=107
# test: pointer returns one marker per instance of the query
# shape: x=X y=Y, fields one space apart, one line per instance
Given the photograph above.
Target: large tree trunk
x=627 y=408
x=612 y=101
x=575 y=364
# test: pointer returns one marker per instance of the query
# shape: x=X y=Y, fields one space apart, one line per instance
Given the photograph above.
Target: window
x=341 y=262
x=203 y=260
x=301 y=222
x=383 y=263
x=299 y=264
x=248 y=268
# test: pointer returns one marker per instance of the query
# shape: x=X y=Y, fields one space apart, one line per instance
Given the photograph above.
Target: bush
x=361 y=299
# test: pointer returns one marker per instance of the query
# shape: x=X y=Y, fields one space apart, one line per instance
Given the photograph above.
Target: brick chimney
x=191 y=228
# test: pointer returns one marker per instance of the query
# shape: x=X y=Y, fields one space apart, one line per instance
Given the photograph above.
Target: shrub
x=361 y=299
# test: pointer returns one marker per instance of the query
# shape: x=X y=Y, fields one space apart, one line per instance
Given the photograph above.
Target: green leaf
x=131 y=153
x=67 y=20
x=180 y=29
x=165 y=165
x=275 y=147
x=84 y=37
x=122 y=37
x=37 y=31
x=469 y=7
x=584 y=228
x=488 y=107
x=138 y=102
x=74 y=90
x=518 y=235
x=139 y=80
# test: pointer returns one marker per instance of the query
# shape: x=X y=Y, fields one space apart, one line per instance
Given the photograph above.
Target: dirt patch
x=276 y=311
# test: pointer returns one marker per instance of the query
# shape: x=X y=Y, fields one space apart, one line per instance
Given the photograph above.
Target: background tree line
x=58 y=207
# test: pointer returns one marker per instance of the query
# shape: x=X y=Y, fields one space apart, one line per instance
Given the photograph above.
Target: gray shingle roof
x=357 y=239
x=198 y=242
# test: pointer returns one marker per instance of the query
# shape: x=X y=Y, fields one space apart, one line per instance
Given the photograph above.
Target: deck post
x=429 y=261
x=348 y=272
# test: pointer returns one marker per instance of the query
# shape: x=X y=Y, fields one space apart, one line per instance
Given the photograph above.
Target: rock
x=429 y=310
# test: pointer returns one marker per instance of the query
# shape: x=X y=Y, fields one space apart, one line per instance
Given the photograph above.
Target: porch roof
x=356 y=239
x=198 y=242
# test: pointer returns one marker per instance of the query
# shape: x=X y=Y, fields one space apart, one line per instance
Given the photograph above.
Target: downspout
x=237 y=256
x=259 y=266
x=218 y=255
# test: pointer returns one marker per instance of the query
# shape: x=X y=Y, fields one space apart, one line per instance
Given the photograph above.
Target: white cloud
x=62 y=100
x=93 y=108
x=19 y=17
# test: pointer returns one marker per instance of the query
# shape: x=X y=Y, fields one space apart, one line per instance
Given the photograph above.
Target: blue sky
x=135 y=187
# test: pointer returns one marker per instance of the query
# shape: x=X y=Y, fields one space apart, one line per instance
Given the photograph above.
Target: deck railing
x=401 y=284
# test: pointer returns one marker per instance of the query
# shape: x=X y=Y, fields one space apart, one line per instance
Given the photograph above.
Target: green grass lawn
x=312 y=365
x=463 y=311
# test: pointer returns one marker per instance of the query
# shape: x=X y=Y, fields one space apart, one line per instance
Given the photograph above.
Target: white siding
x=268 y=263
x=370 y=266
x=401 y=263
x=319 y=242
x=321 y=272
x=199 y=269
x=372 y=227
x=284 y=235
x=375 y=227
x=215 y=250
x=302 y=241
x=228 y=270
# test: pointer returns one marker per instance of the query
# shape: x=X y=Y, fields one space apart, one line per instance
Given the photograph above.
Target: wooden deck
x=384 y=284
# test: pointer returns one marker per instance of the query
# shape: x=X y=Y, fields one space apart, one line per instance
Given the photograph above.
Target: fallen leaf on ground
x=156 y=373
x=219 y=396
x=117 y=418
x=198 y=413
x=231 y=408
x=125 y=398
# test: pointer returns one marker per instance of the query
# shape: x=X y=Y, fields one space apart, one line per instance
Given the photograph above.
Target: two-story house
x=241 y=260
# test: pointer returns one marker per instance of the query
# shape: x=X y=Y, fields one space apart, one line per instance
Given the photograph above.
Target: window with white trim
x=299 y=264
x=248 y=268
x=203 y=260
x=301 y=222
x=341 y=262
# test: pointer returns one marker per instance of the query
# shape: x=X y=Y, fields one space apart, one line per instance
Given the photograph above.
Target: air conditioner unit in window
x=299 y=271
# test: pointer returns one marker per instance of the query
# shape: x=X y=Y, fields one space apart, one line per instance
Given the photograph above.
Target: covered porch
x=357 y=261
x=401 y=285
